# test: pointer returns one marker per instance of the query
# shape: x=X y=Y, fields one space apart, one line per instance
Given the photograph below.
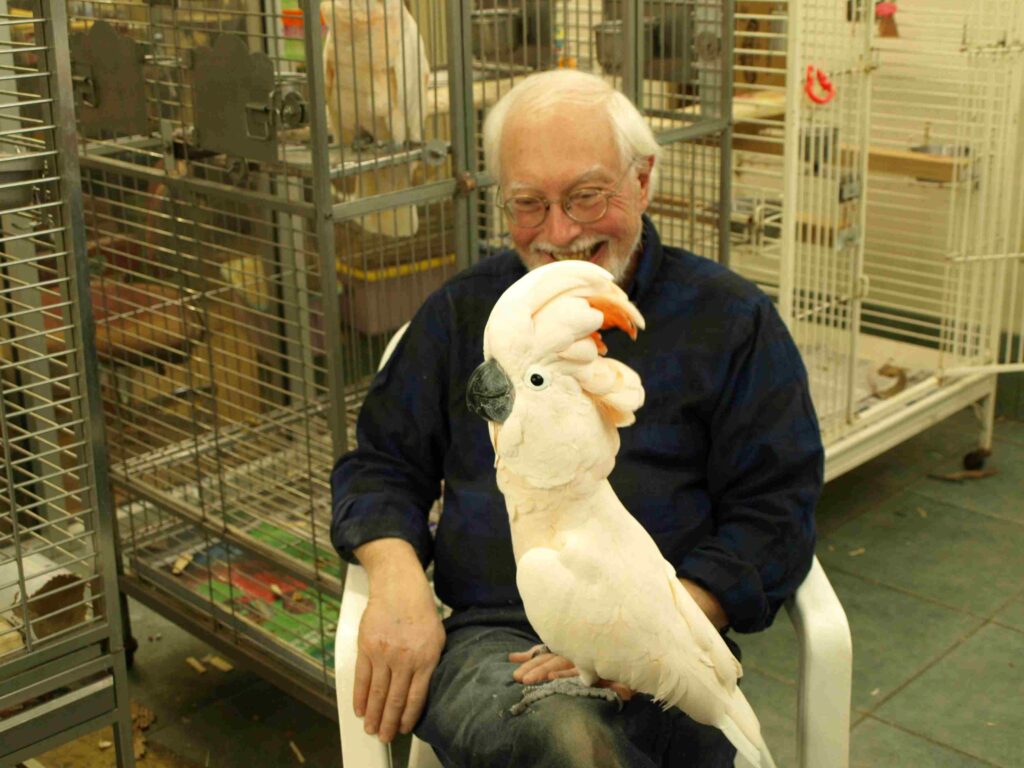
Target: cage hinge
x=284 y=108
x=465 y=182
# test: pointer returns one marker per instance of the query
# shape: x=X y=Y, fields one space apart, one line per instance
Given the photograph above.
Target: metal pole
x=725 y=147
x=463 y=120
x=324 y=226
x=55 y=30
x=633 y=53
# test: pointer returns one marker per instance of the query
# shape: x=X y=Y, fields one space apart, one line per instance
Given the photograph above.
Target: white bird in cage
x=376 y=73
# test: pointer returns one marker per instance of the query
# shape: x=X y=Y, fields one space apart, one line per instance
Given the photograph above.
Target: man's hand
x=400 y=640
x=537 y=666
x=708 y=603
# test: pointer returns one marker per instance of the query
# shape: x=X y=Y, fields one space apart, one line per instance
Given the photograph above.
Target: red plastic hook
x=823 y=81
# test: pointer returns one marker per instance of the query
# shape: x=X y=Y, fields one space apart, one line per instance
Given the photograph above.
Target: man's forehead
x=595 y=174
x=556 y=148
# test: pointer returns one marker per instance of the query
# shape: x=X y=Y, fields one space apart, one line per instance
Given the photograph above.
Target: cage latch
x=259 y=119
x=84 y=85
x=283 y=108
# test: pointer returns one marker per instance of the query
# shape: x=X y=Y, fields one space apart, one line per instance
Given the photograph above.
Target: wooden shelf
x=919 y=165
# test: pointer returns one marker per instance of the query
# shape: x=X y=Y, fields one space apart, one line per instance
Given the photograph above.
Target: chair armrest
x=826 y=672
x=357 y=747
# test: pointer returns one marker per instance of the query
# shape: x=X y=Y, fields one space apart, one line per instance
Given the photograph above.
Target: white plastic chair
x=824 y=678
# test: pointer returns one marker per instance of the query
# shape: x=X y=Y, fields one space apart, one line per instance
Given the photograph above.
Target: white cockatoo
x=595 y=586
x=375 y=76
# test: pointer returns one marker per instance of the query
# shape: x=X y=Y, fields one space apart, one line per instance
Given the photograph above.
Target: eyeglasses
x=584 y=205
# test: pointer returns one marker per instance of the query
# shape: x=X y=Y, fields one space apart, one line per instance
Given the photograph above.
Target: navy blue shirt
x=723 y=466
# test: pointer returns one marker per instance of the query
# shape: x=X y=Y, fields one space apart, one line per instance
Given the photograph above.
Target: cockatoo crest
x=544 y=336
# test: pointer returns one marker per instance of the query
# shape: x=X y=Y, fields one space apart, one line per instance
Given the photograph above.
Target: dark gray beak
x=490 y=393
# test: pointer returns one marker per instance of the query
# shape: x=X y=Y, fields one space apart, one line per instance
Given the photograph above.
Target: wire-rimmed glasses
x=584 y=205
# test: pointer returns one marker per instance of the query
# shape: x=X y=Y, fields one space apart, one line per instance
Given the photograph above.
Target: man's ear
x=645 y=183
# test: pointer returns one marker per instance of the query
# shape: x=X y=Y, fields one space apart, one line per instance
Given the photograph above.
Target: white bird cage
x=62 y=664
x=885 y=220
x=948 y=94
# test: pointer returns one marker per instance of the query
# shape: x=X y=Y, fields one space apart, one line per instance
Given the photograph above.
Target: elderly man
x=723 y=466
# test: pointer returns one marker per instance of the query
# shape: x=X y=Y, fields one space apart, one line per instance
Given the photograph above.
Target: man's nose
x=561 y=230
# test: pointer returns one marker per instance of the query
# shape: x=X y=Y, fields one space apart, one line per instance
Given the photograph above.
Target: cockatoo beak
x=490 y=393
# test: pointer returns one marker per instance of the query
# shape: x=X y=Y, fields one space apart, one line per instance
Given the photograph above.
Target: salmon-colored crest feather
x=614 y=315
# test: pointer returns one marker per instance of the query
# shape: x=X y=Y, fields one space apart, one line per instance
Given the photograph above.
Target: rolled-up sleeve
x=387 y=484
x=765 y=472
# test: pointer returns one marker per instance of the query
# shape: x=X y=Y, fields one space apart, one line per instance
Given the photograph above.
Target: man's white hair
x=566 y=89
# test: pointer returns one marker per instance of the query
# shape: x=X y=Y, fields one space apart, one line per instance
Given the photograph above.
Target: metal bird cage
x=264 y=208
x=62 y=665
x=868 y=159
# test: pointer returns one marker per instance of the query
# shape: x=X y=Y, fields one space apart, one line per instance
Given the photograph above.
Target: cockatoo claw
x=570 y=686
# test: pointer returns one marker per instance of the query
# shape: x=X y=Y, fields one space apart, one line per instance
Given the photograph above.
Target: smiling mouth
x=582 y=254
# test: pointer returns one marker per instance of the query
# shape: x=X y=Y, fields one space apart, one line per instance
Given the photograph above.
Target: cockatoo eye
x=536 y=379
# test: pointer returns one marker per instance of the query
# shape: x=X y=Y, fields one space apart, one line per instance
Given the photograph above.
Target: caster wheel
x=975 y=459
x=130 y=646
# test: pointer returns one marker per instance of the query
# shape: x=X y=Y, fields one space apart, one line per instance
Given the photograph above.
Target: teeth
x=580 y=255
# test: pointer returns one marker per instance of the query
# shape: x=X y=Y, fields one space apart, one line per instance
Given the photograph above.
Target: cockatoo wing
x=727 y=668
x=577 y=615
x=618 y=618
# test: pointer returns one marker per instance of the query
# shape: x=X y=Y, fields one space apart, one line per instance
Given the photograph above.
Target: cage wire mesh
x=58 y=590
x=271 y=190
x=798 y=165
x=758 y=170
x=268 y=198
x=872 y=164
x=826 y=187
x=944 y=219
x=679 y=78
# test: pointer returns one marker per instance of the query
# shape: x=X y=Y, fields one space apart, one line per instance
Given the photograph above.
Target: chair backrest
x=390 y=348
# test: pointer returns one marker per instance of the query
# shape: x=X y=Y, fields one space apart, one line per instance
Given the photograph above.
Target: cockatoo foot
x=569 y=686
x=363 y=141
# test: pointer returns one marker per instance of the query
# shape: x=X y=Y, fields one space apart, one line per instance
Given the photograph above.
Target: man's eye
x=585 y=197
x=526 y=203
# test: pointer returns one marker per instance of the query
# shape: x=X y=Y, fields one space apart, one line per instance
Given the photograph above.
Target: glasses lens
x=586 y=205
x=526 y=211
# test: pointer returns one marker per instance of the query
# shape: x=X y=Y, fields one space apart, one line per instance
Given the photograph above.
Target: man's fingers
x=379 y=684
x=530 y=665
x=361 y=687
x=518 y=657
x=538 y=669
x=394 y=705
x=415 y=701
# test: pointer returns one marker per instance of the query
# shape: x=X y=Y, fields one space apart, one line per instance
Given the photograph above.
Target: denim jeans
x=467 y=719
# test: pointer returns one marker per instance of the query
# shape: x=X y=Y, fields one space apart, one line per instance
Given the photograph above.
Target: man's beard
x=620 y=265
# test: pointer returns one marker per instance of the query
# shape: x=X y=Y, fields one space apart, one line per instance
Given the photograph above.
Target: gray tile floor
x=931 y=575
